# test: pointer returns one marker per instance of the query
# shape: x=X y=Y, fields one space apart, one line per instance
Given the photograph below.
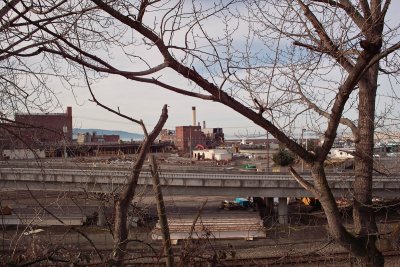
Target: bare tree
x=318 y=58
x=353 y=40
x=25 y=73
x=27 y=27
x=125 y=198
x=24 y=79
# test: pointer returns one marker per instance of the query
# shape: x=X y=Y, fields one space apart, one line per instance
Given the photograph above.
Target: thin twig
x=72 y=227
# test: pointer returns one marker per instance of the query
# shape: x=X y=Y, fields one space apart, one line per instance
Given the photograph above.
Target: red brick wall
x=188 y=134
x=47 y=130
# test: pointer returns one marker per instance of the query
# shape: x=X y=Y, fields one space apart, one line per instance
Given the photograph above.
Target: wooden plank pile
x=247 y=228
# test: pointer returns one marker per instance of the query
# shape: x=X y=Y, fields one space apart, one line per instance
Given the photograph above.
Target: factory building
x=37 y=130
x=214 y=136
x=94 y=138
x=167 y=136
x=186 y=138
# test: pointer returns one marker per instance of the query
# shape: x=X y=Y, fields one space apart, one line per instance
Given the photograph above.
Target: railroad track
x=147 y=257
x=337 y=259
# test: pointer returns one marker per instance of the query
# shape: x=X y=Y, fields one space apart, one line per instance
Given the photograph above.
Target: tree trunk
x=121 y=228
x=336 y=228
x=362 y=246
x=162 y=214
x=120 y=231
x=364 y=218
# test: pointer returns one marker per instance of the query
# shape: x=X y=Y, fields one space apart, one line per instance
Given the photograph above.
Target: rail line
x=223 y=256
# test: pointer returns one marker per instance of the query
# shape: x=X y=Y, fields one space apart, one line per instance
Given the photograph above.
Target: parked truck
x=238 y=203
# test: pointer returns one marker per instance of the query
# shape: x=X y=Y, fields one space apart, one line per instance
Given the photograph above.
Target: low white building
x=213 y=154
x=340 y=153
x=23 y=153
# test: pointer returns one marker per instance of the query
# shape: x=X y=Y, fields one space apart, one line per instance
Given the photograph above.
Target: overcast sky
x=144 y=101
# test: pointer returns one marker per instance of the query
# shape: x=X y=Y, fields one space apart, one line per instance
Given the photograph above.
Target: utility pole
x=302 y=161
x=190 y=142
x=267 y=145
x=65 y=131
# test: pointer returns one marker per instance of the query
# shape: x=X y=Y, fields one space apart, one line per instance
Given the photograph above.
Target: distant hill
x=126 y=136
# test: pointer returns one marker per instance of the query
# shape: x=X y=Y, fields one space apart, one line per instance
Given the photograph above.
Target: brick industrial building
x=37 y=130
x=50 y=135
x=94 y=138
x=186 y=138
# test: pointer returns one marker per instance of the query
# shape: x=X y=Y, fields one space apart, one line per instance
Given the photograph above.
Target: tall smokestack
x=204 y=124
x=194 y=116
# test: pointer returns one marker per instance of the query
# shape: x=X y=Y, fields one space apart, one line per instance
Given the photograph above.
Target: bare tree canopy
x=25 y=72
x=281 y=64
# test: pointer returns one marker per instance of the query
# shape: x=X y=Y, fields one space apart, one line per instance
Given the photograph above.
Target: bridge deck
x=183 y=183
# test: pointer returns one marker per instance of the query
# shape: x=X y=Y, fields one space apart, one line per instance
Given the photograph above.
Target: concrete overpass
x=227 y=183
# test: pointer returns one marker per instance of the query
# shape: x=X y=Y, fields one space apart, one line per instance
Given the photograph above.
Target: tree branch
x=73 y=228
x=127 y=74
x=385 y=9
x=305 y=184
x=8 y=6
x=311 y=105
x=138 y=26
x=383 y=54
x=349 y=8
x=340 y=101
x=326 y=42
x=94 y=99
x=365 y=7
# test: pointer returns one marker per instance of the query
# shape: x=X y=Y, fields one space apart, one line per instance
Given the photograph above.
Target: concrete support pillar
x=283 y=210
x=101 y=219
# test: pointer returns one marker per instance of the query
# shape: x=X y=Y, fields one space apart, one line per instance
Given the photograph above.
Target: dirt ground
x=305 y=235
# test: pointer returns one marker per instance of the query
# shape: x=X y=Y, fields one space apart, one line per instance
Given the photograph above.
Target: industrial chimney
x=194 y=116
x=204 y=124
